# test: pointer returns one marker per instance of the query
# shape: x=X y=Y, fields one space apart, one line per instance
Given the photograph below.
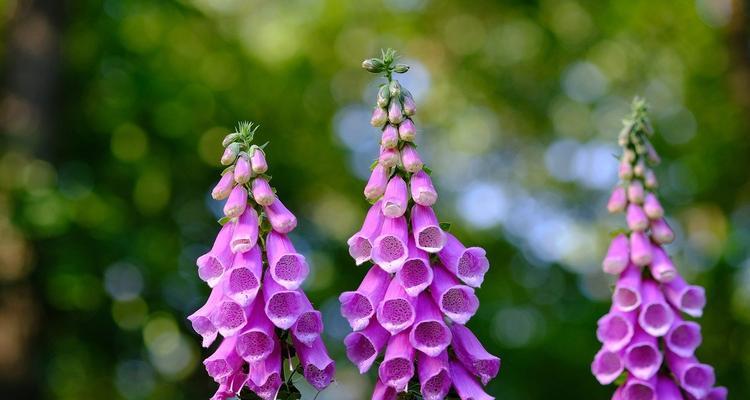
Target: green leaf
x=223 y=220
x=373 y=165
x=445 y=226
x=427 y=170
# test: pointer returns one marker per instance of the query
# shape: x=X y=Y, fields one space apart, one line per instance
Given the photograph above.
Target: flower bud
x=376 y=185
x=258 y=161
x=626 y=170
x=661 y=232
x=373 y=65
x=650 y=180
x=652 y=207
x=624 y=137
x=230 y=138
x=236 y=202
x=379 y=117
x=640 y=168
x=406 y=130
x=629 y=156
x=388 y=157
x=262 y=192
x=389 y=139
x=410 y=159
x=618 y=200
x=230 y=153
x=224 y=187
x=400 y=68
x=395 y=89
x=410 y=107
x=635 y=192
x=395 y=114
x=242 y=169
x=651 y=154
x=384 y=96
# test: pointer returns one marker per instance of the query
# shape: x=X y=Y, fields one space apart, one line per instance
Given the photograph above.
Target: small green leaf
x=373 y=165
x=427 y=170
x=223 y=220
x=445 y=226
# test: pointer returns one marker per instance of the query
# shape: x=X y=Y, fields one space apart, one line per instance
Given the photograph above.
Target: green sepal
x=618 y=231
x=373 y=165
x=223 y=220
x=427 y=170
x=445 y=226
x=227 y=170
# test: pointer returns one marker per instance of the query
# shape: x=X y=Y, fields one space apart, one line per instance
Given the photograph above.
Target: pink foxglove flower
x=250 y=304
x=645 y=336
x=414 y=302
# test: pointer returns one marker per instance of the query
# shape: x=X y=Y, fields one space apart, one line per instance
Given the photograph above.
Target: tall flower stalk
x=256 y=302
x=648 y=342
x=416 y=297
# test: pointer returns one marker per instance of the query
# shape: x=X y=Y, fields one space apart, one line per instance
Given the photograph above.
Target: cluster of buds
x=256 y=303
x=418 y=294
x=647 y=344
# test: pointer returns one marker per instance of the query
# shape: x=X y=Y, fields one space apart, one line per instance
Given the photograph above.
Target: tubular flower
x=414 y=302
x=645 y=337
x=260 y=310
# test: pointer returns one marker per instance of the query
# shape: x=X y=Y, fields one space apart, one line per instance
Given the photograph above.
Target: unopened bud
x=400 y=68
x=230 y=153
x=395 y=89
x=230 y=138
x=242 y=171
x=383 y=96
x=395 y=113
x=373 y=65
x=258 y=161
x=379 y=117
x=410 y=107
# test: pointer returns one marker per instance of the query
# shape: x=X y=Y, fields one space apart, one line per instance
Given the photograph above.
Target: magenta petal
x=457 y=302
x=383 y=391
x=255 y=341
x=358 y=306
x=717 y=393
x=223 y=187
x=666 y=388
x=231 y=386
x=422 y=190
x=201 y=318
x=258 y=161
x=617 y=201
x=639 y=389
x=407 y=131
x=473 y=355
x=683 y=337
x=224 y=361
x=694 y=377
x=397 y=367
x=242 y=281
x=410 y=159
x=616 y=329
x=661 y=232
x=317 y=367
x=389 y=250
x=376 y=185
x=652 y=207
x=242 y=171
x=416 y=274
x=389 y=138
x=429 y=334
x=211 y=266
x=309 y=325
x=640 y=249
x=395 y=198
x=245 y=232
x=661 y=267
x=237 y=202
x=287 y=267
x=283 y=306
x=389 y=158
x=466 y=385
x=362 y=347
x=627 y=294
x=360 y=244
x=265 y=375
x=262 y=192
x=618 y=255
x=636 y=218
x=655 y=315
x=689 y=299
x=468 y=264
x=642 y=357
x=607 y=366
x=282 y=220
x=396 y=311
x=426 y=230
x=635 y=192
x=434 y=375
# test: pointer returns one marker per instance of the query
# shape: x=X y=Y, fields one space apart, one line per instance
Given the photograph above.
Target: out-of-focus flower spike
x=636 y=218
x=627 y=294
x=426 y=231
x=256 y=340
x=635 y=192
x=466 y=386
x=422 y=190
x=640 y=249
x=397 y=310
x=410 y=159
x=283 y=306
x=649 y=179
x=626 y=170
x=617 y=200
x=468 y=264
x=363 y=347
x=236 y=203
x=652 y=207
x=258 y=161
x=416 y=274
x=389 y=250
x=473 y=355
x=458 y=302
x=262 y=192
x=224 y=361
x=360 y=244
x=389 y=139
x=224 y=186
x=689 y=299
x=429 y=334
x=661 y=267
x=242 y=281
x=434 y=375
x=282 y=220
x=245 y=234
x=397 y=367
x=642 y=357
x=607 y=366
x=287 y=267
x=395 y=199
x=211 y=266
x=359 y=306
x=376 y=185
x=618 y=255
x=407 y=131
x=317 y=367
x=661 y=232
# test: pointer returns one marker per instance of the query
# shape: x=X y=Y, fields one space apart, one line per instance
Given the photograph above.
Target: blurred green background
x=112 y=112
